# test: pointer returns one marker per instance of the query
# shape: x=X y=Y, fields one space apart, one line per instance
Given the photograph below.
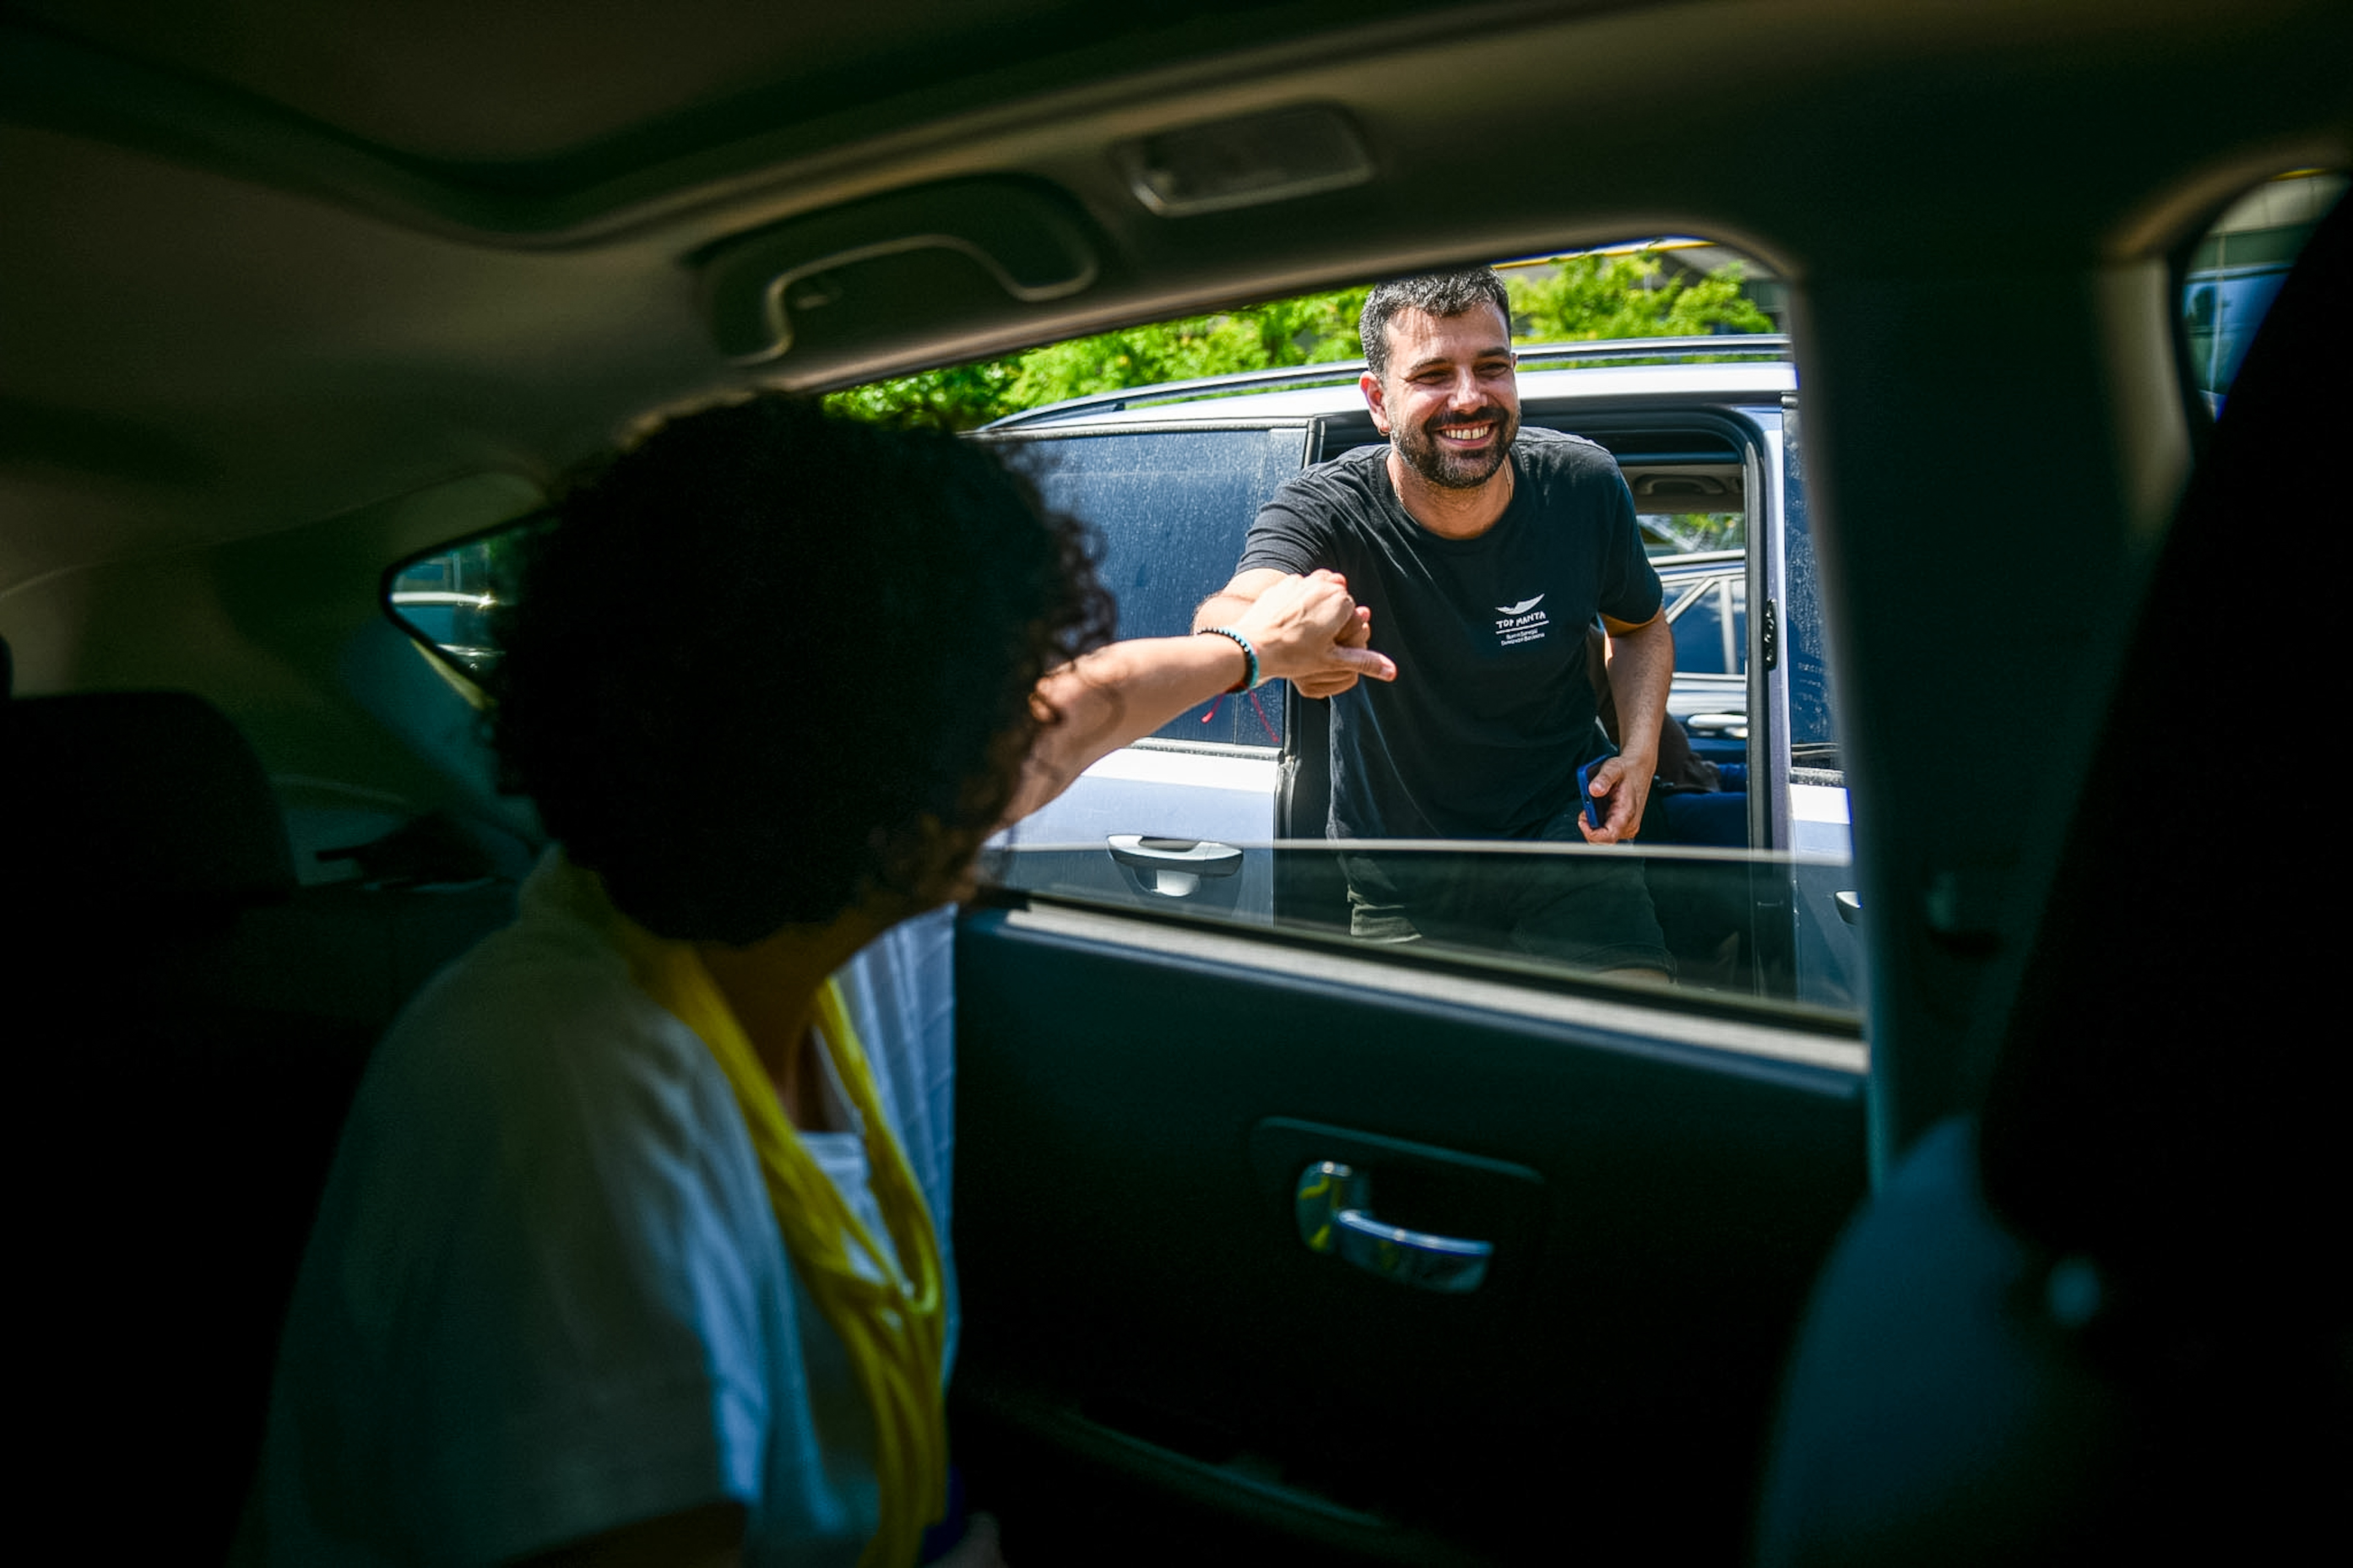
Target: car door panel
x=1222 y=796
x=1134 y=1094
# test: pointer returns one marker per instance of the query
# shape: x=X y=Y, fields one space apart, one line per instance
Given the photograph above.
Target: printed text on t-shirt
x=1522 y=622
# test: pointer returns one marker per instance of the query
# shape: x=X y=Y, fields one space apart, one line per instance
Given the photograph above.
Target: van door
x=1806 y=780
x=1181 y=818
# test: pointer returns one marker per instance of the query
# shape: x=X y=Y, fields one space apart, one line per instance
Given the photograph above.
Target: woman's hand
x=1308 y=631
x=1304 y=629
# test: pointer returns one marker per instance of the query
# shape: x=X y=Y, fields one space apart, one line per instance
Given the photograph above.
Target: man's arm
x=1233 y=601
x=1230 y=603
x=1641 y=667
x=1302 y=628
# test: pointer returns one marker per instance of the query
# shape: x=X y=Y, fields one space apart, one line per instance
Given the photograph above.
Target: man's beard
x=1426 y=456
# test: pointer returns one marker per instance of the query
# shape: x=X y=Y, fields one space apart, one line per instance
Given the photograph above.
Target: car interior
x=2024 y=1255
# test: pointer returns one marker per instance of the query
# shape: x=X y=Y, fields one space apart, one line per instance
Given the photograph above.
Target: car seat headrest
x=133 y=806
x=2154 y=1106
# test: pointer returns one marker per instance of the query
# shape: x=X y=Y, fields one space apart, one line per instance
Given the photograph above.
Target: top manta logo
x=1522 y=608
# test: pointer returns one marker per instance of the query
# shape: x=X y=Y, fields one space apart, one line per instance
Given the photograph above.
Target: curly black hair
x=767 y=665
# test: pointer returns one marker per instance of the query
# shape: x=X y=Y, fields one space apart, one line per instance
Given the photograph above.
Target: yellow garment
x=891 y=1324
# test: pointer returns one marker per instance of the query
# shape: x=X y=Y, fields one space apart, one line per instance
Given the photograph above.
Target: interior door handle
x=1849 y=906
x=1333 y=1205
x=1174 y=865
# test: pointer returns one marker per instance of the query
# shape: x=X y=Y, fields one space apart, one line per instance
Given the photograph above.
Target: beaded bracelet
x=1250 y=655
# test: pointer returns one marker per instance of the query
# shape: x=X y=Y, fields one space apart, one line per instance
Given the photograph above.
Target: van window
x=1710 y=624
x=1804 y=630
x=1167 y=508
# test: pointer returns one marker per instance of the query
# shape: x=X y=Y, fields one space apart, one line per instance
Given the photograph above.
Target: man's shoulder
x=1356 y=476
x=1368 y=460
x=1560 y=472
x=1323 y=506
x=1539 y=449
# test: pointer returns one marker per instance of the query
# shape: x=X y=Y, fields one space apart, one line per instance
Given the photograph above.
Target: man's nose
x=1466 y=394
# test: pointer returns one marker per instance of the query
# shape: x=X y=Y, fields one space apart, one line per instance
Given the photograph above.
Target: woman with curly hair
x=636 y=1247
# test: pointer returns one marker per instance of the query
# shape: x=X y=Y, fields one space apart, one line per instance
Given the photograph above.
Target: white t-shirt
x=546 y=1295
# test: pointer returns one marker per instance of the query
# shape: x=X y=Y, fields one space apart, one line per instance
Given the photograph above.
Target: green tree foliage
x=956 y=397
x=1582 y=297
x=1589 y=299
x=1308 y=330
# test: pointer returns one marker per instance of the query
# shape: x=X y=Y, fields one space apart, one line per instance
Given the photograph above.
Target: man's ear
x=1370 y=386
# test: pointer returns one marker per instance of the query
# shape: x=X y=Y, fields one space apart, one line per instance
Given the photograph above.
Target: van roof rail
x=1536 y=356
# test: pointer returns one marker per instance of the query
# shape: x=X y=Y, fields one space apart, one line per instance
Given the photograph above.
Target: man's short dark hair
x=769 y=665
x=1439 y=293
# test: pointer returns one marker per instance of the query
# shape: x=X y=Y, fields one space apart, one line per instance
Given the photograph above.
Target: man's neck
x=1451 y=513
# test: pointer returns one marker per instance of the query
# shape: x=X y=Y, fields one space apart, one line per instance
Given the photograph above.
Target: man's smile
x=1472 y=432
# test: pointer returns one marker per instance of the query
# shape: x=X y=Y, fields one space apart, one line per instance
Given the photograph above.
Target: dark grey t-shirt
x=1482 y=733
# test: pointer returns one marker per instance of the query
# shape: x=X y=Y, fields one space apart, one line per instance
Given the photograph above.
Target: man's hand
x=1309 y=632
x=1233 y=605
x=1359 y=635
x=1232 y=602
x=1642 y=667
x=1624 y=782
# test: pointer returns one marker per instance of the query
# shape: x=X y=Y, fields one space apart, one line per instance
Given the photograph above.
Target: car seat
x=2107 y=1318
x=171 y=1143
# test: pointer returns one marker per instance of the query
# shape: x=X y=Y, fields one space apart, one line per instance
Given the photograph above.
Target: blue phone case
x=1592 y=807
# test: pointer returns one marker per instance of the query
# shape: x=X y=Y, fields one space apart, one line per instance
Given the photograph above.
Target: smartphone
x=1593 y=816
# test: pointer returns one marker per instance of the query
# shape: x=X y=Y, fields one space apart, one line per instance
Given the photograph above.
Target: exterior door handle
x=1174 y=865
x=1333 y=1205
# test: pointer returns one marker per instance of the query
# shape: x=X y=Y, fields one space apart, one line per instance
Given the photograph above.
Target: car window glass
x=2236 y=268
x=445 y=598
x=1804 y=624
x=1689 y=532
x=1709 y=635
x=1167 y=509
x=1675 y=595
x=1226 y=815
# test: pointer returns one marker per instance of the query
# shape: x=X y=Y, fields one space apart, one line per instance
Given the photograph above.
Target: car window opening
x=1743 y=846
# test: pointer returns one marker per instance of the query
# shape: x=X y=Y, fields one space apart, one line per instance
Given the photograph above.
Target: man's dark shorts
x=1590 y=911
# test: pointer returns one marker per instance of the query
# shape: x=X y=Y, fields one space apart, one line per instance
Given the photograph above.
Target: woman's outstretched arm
x=1300 y=628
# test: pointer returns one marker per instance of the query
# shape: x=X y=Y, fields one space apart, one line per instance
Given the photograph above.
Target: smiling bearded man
x=1484 y=552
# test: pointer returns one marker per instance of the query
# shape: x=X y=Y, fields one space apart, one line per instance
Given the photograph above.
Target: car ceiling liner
x=918 y=257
